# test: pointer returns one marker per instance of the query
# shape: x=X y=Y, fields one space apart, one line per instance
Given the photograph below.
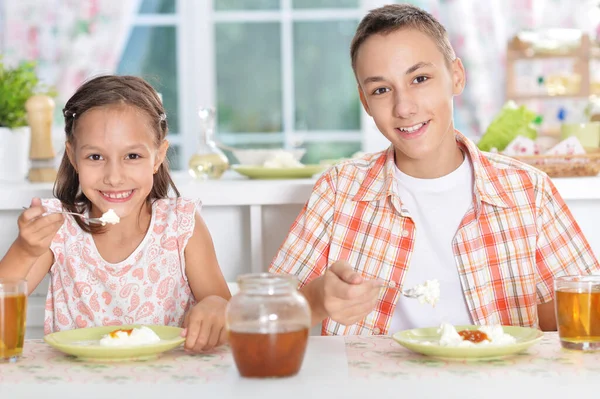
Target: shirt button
x=392 y=284
x=405 y=233
x=376 y=331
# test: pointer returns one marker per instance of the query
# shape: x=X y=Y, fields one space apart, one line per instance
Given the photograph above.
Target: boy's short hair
x=392 y=17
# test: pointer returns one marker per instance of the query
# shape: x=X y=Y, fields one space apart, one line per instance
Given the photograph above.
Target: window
x=278 y=72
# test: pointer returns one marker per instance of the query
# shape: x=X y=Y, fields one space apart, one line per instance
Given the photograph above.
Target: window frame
x=195 y=39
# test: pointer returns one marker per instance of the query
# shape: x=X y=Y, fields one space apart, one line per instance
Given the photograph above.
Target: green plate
x=260 y=172
x=84 y=343
x=416 y=340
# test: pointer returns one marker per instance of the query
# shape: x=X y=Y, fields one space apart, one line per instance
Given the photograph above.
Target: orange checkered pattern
x=511 y=244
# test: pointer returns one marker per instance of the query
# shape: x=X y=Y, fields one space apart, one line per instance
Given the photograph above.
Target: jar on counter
x=268 y=323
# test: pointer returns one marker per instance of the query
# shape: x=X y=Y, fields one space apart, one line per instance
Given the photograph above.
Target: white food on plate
x=282 y=159
x=496 y=335
x=134 y=337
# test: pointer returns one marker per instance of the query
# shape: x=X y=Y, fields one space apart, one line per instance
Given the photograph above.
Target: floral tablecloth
x=382 y=357
x=43 y=364
x=366 y=358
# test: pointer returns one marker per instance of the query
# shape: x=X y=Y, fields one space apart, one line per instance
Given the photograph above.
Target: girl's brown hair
x=104 y=91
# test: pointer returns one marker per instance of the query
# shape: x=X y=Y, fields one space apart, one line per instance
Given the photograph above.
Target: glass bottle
x=208 y=162
x=268 y=323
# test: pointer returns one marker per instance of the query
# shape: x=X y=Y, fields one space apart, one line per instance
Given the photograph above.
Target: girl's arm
x=30 y=256
x=18 y=265
x=201 y=266
x=204 y=324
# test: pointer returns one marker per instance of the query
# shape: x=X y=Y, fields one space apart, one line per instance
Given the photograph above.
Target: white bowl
x=259 y=156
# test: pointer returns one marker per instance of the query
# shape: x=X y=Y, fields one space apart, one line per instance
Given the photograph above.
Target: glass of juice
x=268 y=323
x=578 y=312
x=13 y=311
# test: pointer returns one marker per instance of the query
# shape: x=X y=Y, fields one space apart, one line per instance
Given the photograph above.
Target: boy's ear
x=458 y=77
x=161 y=155
x=70 y=154
x=363 y=100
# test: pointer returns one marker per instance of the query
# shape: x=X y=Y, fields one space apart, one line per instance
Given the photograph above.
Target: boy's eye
x=381 y=90
x=133 y=156
x=420 y=79
x=95 y=157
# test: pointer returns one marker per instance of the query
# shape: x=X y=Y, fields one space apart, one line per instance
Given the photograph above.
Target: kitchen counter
x=234 y=190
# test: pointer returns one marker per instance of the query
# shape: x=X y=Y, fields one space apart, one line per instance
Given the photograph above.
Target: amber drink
x=13 y=312
x=268 y=323
x=578 y=312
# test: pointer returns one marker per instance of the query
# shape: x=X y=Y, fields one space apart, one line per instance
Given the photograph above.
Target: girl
x=158 y=264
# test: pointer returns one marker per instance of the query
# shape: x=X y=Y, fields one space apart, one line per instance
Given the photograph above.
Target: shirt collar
x=379 y=180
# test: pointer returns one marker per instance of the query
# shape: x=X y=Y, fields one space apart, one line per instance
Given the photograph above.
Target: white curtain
x=71 y=40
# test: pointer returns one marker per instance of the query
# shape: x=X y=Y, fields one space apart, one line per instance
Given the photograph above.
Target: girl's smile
x=117 y=196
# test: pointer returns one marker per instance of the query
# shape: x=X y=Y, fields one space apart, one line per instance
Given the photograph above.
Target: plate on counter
x=425 y=341
x=84 y=343
x=260 y=172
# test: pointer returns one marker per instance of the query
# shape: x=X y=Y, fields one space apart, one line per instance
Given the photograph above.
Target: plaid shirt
x=515 y=239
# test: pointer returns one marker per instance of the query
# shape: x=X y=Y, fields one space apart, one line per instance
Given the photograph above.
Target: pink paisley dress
x=149 y=287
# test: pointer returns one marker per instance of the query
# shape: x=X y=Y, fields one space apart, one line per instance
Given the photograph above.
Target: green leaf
x=16 y=86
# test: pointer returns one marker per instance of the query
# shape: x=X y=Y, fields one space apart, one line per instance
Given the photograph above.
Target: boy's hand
x=36 y=231
x=347 y=296
x=204 y=325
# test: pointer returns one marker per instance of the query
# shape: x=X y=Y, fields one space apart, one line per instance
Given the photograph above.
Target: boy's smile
x=414 y=131
x=407 y=86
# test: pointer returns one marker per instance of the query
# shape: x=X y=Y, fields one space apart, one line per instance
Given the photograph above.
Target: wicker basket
x=565 y=165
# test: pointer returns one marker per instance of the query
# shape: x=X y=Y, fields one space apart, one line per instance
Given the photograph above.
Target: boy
x=493 y=231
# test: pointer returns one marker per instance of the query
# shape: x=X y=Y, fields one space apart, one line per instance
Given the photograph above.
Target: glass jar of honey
x=268 y=323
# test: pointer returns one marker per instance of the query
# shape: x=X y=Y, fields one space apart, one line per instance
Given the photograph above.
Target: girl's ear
x=161 y=155
x=71 y=154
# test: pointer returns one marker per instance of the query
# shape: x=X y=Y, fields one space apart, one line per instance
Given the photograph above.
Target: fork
x=409 y=293
x=85 y=218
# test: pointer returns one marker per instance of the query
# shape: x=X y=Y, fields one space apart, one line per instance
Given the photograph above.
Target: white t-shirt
x=437 y=207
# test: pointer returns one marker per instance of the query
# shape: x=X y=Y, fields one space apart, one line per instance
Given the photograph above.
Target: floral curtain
x=71 y=40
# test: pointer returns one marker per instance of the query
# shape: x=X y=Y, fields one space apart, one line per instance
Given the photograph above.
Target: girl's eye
x=420 y=79
x=381 y=90
x=95 y=157
x=133 y=156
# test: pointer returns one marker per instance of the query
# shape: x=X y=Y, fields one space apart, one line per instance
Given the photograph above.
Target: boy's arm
x=561 y=250
x=305 y=251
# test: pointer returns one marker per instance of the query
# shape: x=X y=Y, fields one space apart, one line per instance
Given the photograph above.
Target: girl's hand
x=36 y=231
x=204 y=325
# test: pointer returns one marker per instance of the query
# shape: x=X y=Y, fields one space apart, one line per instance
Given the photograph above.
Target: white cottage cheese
x=134 y=337
x=110 y=217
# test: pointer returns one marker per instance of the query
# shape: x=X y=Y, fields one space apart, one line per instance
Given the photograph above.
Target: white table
x=334 y=367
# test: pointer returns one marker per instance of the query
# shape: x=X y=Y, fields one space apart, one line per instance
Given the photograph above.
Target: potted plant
x=16 y=86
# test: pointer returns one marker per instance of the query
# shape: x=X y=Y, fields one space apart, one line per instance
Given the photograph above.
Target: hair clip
x=162 y=117
x=73 y=116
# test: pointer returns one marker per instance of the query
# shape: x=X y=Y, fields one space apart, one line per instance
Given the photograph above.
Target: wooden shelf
x=525 y=97
x=519 y=51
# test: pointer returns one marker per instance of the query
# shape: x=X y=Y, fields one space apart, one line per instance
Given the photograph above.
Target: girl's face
x=115 y=154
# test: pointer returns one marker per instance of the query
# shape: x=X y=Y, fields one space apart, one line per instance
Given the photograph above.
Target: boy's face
x=407 y=87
